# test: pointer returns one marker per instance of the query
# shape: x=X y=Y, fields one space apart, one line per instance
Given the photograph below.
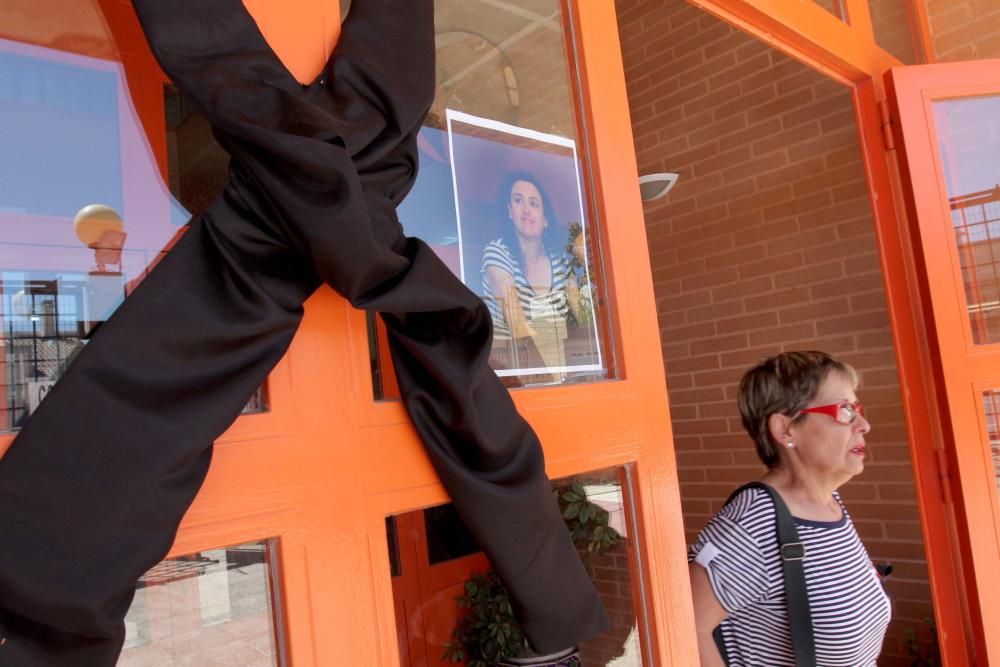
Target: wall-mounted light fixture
x=655 y=186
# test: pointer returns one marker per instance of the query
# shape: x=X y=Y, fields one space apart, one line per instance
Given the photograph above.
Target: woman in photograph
x=527 y=281
x=809 y=429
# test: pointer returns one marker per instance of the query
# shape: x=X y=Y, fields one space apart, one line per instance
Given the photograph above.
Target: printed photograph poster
x=522 y=246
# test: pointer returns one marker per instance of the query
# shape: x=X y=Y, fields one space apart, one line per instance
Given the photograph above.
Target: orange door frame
x=966 y=368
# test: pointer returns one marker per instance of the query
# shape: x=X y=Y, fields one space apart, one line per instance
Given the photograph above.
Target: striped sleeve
x=734 y=562
x=497 y=254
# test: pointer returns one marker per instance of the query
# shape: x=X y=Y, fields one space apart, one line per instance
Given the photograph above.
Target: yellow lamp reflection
x=100 y=228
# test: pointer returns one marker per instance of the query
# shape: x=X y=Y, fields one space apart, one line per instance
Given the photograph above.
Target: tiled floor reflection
x=209 y=608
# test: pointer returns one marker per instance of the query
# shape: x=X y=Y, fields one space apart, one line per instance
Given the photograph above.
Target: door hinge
x=885 y=117
x=944 y=475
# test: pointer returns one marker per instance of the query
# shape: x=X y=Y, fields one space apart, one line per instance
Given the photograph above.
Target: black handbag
x=792 y=555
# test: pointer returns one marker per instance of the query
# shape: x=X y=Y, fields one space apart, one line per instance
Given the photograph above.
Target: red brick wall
x=610 y=573
x=765 y=244
x=965 y=29
x=960 y=29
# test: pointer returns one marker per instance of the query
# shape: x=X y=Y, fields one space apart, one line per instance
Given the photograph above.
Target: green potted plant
x=486 y=631
x=587 y=522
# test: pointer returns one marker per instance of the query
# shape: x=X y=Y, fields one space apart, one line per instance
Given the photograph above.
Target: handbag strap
x=793 y=553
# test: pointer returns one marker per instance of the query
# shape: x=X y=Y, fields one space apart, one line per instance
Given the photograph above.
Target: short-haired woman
x=801 y=410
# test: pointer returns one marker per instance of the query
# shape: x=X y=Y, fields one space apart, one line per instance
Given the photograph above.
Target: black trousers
x=94 y=486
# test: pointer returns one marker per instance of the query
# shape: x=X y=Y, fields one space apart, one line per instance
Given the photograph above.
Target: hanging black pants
x=94 y=486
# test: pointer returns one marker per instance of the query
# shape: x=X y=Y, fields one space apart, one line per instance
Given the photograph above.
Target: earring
x=790 y=445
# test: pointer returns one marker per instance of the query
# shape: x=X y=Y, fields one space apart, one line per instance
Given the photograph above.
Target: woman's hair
x=783 y=384
x=507 y=232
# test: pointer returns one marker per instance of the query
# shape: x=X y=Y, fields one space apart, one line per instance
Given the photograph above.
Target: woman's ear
x=780 y=428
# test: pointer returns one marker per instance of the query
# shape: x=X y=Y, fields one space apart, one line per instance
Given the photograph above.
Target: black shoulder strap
x=792 y=554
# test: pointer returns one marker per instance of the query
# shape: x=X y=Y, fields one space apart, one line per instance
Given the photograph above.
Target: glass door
x=949 y=123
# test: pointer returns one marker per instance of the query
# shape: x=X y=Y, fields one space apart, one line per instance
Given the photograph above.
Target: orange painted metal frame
x=966 y=369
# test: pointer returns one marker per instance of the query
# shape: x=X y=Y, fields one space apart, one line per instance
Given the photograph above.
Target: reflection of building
x=43 y=326
x=976 y=218
x=784 y=231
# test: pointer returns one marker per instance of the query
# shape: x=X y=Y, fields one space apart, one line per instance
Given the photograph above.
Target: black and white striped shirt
x=850 y=611
x=551 y=304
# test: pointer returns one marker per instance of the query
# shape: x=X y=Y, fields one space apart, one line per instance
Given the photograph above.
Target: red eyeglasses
x=844 y=413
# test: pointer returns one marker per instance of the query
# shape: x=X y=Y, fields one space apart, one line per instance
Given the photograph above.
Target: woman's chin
x=856 y=465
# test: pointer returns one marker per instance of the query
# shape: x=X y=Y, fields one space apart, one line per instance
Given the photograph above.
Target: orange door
x=949 y=124
x=282 y=558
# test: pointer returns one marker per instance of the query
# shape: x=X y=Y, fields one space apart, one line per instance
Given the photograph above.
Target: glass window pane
x=430 y=613
x=991 y=406
x=215 y=607
x=502 y=195
x=968 y=132
x=892 y=28
x=197 y=165
x=835 y=7
x=85 y=211
x=392 y=538
x=447 y=536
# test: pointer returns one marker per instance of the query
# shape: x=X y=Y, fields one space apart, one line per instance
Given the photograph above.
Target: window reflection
x=505 y=106
x=213 y=607
x=991 y=406
x=197 y=164
x=447 y=536
x=968 y=131
x=426 y=592
x=43 y=330
x=891 y=24
x=835 y=7
x=392 y=537
x=84 y=208
x=62 y=138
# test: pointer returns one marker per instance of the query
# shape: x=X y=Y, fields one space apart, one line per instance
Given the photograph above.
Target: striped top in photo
x=550 y=304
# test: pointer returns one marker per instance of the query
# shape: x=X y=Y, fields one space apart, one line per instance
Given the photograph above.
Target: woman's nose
x=863 y=425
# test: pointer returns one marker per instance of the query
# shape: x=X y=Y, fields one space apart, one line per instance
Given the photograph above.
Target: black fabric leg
x=93 y=488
